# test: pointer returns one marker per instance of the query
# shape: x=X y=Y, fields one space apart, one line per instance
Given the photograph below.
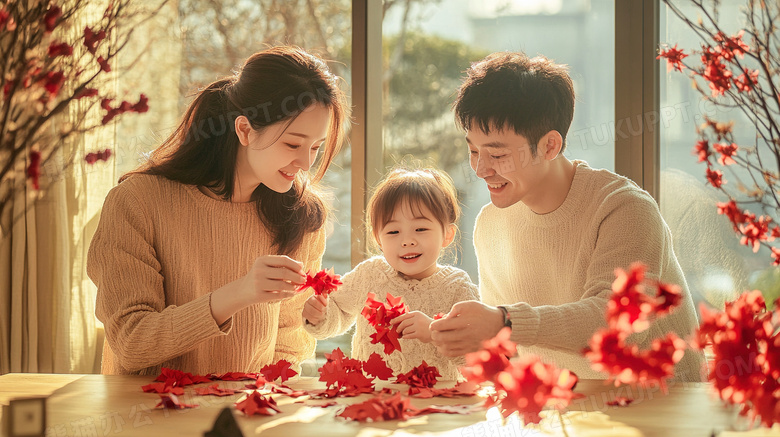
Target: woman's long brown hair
x=273 y=86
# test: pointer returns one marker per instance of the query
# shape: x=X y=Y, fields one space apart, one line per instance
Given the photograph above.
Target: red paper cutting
x=493 y=358
x=376 y=366
x=421 y=376
x=395 y=407
x=324 y=282
x=256 y=403
x=178 y=378
x=379 y=315
x=281 y=370
x=161 y=387
x=169 y=400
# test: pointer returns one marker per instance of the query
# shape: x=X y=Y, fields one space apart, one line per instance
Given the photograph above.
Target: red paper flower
x=746 y=344
x=727 y=153
x=63 y=49
x=161 y=387
x=379 y=315
x=345 y=376
x=171 y=401
x=324 y=282
x=92 y=39
x=178 y=378
x=280 y=370
x=674 y=58
x=256 y=403
x=420 y=376
x=629 y=310
x=94 y=157
x=51 y=17
x=376 y=366
x=715 y=177
x=702 y=150
x=530 y=384
x=493 y=358
x=34 y=169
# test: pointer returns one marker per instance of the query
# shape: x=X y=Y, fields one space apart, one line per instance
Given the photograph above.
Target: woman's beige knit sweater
x=159 y=251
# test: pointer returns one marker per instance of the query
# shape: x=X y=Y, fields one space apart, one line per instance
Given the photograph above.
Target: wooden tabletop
x=116 y=405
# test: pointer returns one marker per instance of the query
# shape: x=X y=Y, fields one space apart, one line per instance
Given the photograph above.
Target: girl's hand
x=315 y=308
x=273 y=278
x=414 y=325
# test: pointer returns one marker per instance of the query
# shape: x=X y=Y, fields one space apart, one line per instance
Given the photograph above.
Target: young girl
x=196 y=249
x=412 y=217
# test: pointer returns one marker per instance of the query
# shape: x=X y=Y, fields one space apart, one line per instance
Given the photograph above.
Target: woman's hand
x=272 y=278
x=414 y=325
x=315 y=308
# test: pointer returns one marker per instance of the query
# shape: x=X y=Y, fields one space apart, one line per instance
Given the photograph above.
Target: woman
x=199 y=251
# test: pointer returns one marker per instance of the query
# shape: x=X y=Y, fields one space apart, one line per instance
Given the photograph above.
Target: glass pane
x=717 y=267
x=204 y=40
x=428 y=48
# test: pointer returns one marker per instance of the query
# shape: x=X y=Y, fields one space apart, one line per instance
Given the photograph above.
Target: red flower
x=530 y=384
x=629 y=307
x=755 y=231
x=52 y=81
x=732 y=211
x=51 y=17
x=673 y=57
x=104 y=64
x=281 y=370
x=775 y=256
x=715 y=72
x=715 y=177
x=143 y=106
x=34 y=169
x=92 y=39
x=727 y=152
x=720 y=129
x=420 y=376
x=256 y=403
x=747 y=80
x=4 y=16
x=746 y=346
x=492 y=359
x=702 y=149
x=324 y=282
x=63 y=49
x=94 y=157
x=379 y=315
x=733 y=45
x=669 y=296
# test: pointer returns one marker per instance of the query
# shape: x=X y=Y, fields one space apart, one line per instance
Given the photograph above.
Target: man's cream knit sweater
x=160 y=249
x=555 y=270
x=434 y=294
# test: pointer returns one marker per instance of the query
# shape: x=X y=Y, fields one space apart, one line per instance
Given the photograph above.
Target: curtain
x=47 y=302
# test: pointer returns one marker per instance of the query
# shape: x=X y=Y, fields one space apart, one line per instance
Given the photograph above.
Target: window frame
x=637 y=96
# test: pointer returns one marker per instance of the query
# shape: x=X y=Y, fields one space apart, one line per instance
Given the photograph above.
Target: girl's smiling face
x=412 y=240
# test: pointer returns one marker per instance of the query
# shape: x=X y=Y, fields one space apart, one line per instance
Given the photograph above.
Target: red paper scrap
x=256 y=403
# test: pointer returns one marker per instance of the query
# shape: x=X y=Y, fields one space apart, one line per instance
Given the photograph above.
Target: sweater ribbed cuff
x=525 y=324
x=194 y=320
x=319 y=331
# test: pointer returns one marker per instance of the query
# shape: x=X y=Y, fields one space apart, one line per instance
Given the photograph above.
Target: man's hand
x=465 y=328
x=414 y=325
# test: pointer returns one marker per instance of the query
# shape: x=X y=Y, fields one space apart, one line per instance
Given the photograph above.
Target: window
x=717 y=267
x=429 y=46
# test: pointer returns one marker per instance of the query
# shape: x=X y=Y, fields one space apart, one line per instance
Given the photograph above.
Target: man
x=548 y=243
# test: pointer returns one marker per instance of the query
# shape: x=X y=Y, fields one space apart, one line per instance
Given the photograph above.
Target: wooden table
x=115 y=405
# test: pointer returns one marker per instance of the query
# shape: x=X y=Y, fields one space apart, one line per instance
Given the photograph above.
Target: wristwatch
x=507 y=317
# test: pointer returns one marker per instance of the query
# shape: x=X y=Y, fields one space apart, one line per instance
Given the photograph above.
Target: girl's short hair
x=425 y=187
